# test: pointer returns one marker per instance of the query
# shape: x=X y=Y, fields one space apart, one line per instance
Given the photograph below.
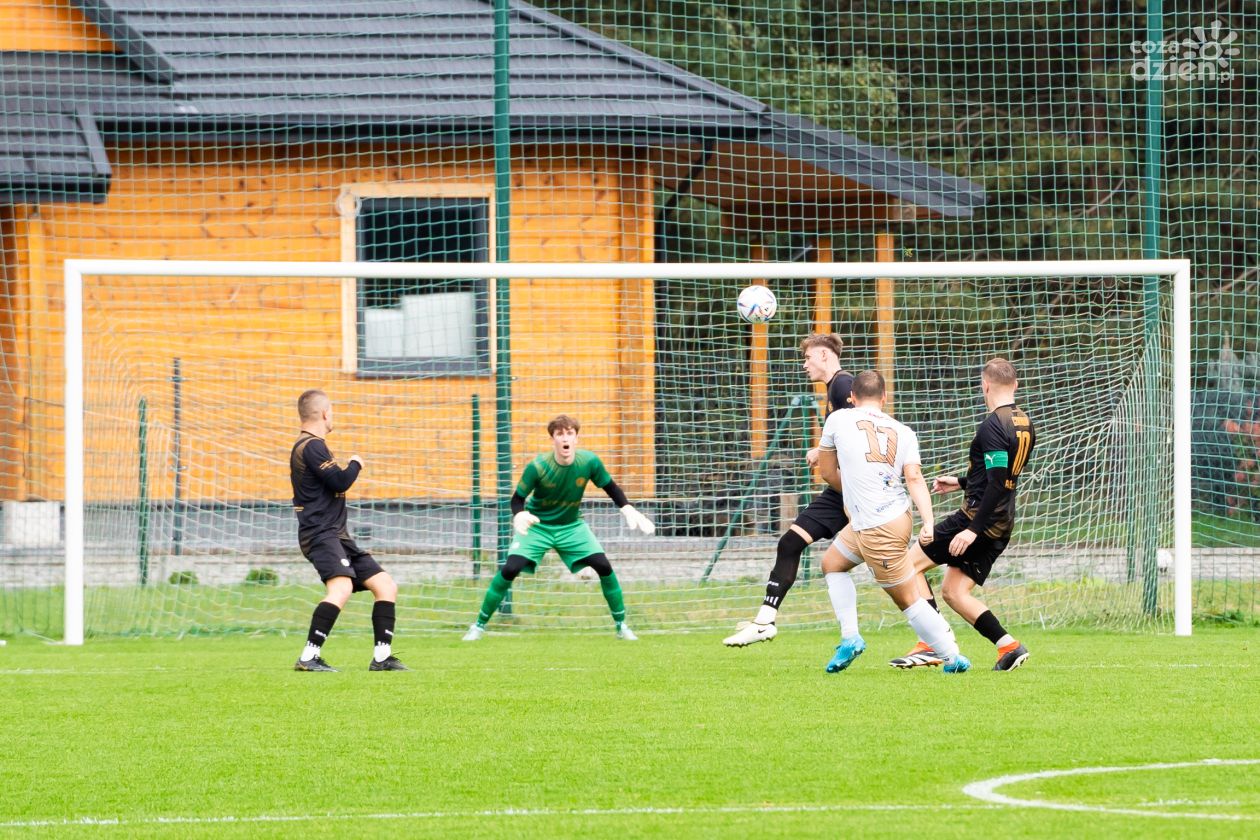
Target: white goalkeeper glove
x=637 y=521
x=523 y=521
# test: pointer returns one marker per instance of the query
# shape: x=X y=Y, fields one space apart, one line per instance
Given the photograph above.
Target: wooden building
x=172 y=129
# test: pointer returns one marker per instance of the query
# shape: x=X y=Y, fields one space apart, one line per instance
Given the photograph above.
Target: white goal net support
x=181 y=381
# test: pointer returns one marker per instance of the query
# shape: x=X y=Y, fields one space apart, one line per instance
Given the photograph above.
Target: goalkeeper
x=554 y=483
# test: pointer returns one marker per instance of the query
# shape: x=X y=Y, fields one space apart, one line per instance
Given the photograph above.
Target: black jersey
x=319 y=487
x=839 y=389
x=1005 y=439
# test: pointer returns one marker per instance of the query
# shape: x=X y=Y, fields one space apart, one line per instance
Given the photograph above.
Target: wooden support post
x=45 y=460
x=823 y=287
x=636 y=361
x=758 y=375
x=885 y=315
x=21 y=351
x=822 y=290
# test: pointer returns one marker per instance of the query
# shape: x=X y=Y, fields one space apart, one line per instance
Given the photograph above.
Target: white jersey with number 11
x=872 y=450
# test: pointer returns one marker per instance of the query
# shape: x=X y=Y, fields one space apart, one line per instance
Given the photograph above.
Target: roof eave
x=880 y=169
x=60 y=191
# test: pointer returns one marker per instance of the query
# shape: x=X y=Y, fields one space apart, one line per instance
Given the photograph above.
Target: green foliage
x=769 y=53
x=1224 y=531
x=1036 y=102
x=262 y=577
x=1228 y=618
x=183 y=578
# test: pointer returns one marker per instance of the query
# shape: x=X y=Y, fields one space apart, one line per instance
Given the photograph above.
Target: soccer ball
x=757 y=304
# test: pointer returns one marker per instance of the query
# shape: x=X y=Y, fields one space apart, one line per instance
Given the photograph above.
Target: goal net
x=181 y=410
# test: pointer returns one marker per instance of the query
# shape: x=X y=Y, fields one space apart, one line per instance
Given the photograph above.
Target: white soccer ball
x=757 y=304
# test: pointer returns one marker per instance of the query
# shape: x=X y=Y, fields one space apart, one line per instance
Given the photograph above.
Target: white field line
x=483 y=814
x=986 y=790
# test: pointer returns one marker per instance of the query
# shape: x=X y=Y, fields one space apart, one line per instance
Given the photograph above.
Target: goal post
x=1171 y=338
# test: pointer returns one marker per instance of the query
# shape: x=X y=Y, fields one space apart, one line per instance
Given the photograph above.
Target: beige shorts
x=883 y=549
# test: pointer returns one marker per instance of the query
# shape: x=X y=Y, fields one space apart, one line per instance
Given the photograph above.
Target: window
x=428 y=327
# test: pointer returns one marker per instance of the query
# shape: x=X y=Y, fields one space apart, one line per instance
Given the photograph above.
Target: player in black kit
x=319 y=500
x=823 y=518
x=969 y=540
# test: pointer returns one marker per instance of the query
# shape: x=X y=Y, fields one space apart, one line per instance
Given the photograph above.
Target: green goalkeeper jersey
x=554 y=492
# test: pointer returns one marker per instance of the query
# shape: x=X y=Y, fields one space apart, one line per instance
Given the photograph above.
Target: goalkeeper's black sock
x=932 y=604
x=382 y=629
x=322 y=621
x=988 y=626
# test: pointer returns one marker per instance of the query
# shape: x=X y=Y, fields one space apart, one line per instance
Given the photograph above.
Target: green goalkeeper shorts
x=574 y=542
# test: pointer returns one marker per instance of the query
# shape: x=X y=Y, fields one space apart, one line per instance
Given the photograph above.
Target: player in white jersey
x=865 y=453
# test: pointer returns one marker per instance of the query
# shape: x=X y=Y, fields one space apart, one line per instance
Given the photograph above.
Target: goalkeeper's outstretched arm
x=615 y=493
x=634 y=520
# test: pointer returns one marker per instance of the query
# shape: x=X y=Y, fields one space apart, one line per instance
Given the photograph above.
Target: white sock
x=381 y=653
x=844 y=601
x=1005 y=640
x=952 y=637
x=309 y=652
x=951 y=632
x=766 y=615
x=932 y=628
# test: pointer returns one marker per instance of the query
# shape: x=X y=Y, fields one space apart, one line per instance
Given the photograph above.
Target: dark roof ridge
x=148 y=60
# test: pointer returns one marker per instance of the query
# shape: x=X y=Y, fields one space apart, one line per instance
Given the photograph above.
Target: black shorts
x=333 y=556
x=824 y=517
x=977 y=561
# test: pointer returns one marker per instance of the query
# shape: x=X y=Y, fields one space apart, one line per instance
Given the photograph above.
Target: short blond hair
x=312 y=404
x=999 y=372
x=830 y=341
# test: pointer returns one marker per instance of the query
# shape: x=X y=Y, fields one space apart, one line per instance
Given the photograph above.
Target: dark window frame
x=480 y=363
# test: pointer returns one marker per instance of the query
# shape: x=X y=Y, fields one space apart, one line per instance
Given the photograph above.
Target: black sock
x=988 y=626
x=322 y=621
x=383 y=622
x=786 y=563
x=931 y=596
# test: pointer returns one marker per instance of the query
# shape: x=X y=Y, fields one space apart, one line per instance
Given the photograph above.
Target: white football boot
x=749 y=633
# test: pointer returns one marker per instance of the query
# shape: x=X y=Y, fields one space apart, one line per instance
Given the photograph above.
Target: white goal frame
x=77 y=269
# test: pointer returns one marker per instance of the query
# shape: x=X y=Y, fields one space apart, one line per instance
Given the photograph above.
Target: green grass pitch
x=554 y=735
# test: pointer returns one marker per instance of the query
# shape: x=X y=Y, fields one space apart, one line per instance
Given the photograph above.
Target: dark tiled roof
x=49 y=155
x=423 y=71
x=412 y=62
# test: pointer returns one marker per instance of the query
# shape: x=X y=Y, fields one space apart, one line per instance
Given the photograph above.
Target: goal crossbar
x=75 y=270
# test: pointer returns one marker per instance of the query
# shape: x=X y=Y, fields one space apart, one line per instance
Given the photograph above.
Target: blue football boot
x=848 y=650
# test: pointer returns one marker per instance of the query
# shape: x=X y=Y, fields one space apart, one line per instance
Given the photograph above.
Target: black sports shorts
x=824 y=517
x=977 y=561
x=333 y=556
